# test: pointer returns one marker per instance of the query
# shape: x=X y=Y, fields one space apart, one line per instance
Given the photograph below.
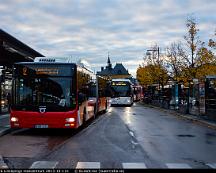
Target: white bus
x=121 y=92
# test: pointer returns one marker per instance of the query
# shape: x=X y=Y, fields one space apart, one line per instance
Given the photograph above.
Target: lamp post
x=154 y=50
x=158 y=56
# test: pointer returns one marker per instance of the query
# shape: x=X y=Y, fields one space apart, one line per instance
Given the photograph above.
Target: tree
x=189 y=61
x=152 y=74
x=212 y=43
x=205 y=63
x=153 y=70
x=193 y=43
x=144 y=76
x=175 y=59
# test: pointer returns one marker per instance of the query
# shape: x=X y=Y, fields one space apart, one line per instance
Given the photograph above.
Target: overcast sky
x=89 y=29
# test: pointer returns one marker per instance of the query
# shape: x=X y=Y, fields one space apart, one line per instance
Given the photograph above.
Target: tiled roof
x=119 y=69
x=106 y=71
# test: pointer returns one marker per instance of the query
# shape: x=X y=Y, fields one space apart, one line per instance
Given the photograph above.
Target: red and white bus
x=137 y=92
x=51 y=93
x=99 y=94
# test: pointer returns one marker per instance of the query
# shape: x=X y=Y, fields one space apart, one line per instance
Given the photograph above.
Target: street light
x=158 y=54
x=154 y=50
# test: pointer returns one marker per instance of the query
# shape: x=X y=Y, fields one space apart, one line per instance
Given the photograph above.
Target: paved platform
x=203 y=120
x=4 y=124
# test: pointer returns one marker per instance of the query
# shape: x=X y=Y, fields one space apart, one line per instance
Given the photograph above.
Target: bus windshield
x=55 y=92
x=120 y=90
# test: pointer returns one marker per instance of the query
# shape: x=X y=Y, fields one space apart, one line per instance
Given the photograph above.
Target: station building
x=117 y=72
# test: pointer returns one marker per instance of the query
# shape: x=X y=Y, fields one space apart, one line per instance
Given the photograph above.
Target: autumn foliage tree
x=176 y=60
x=185 y=60
x=144 y=75
x=152 y=71
x=206 y=64
x=212 y=42
x=192 y=60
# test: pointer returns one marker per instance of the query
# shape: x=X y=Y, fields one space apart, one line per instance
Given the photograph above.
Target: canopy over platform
x=12 y=50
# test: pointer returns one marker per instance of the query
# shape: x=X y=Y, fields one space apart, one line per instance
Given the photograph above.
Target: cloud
x=90 y=29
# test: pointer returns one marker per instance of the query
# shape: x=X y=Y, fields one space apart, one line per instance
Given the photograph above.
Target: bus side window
x=81 y=98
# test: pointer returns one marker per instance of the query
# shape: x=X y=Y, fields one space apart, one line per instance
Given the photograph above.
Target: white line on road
x=88 y=165
x=44 y=165
x=131 y=133
x=134 y=143
x=178 y=166
x=134 y=165
x=2 y=163
x=212 y=165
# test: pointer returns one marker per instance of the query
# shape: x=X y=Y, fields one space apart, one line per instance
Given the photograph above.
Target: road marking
x=212 y=165
x=2 y=163
x=44 y=165
x=134 y=166
x=134 y=143
x=178 y=166
x=88 y=165
x=4 y=116
x=131 y=133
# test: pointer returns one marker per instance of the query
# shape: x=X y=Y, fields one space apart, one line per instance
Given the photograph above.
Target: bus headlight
x=70 y=120
x=14 y=119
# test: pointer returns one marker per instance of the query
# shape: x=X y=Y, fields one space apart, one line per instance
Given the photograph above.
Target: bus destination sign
x=47 y=71
x=119 y=83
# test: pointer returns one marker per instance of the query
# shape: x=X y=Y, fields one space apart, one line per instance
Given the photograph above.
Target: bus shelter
x=210 y=97
x=11 y=50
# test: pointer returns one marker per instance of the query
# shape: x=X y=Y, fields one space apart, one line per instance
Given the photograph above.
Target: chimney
x=102 y=68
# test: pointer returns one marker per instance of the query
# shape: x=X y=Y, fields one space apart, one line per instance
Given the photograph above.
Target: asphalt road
x=124 y=137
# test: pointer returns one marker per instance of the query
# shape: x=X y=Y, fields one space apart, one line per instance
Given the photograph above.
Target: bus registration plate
x=41 y=126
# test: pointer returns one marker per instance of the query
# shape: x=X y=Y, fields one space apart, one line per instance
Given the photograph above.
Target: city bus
x=137 y=92
x=121 y=92
x=99 y=94
x=51 y=93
